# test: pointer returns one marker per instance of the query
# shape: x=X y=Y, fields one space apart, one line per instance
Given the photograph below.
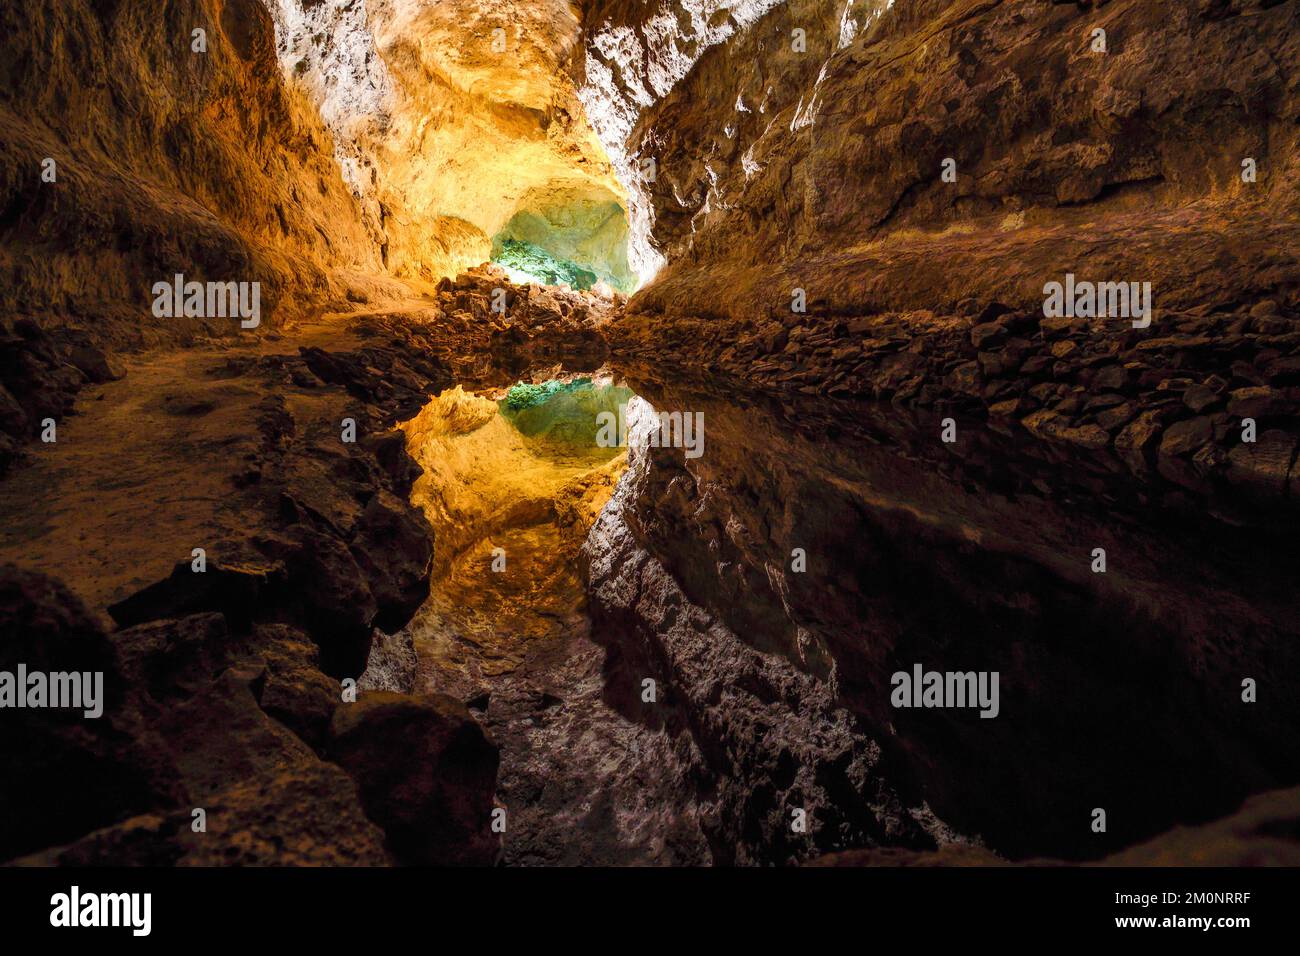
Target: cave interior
x=674 y=433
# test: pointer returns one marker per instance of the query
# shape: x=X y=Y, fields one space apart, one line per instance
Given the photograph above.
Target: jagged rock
x=305 y=817
x=1183 y=438
x=1261 y=833
x=393 y=664
x=1199 y=398
x=1137 y=440
x=1255 y=402
x=1053 y=424
x=395 y=546
x=95 y=364
x=67 y=773
x=329 y=594
x=214 y=186
x=389 y=450
x=295 y=692
x=987 y=335
x=232 y=589
x=172 y=658
x=776 y=171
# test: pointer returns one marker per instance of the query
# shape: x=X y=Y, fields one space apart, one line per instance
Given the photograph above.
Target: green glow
x=519 y=256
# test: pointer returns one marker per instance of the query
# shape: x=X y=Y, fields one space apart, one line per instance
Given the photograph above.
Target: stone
x=1183 y=438
x=987 y=336
x=232 y=589
x=1262 y=467
x=55 y=752
x=1199 y=398
x=1137 y=440
x=426 y=772
x=1255 y=402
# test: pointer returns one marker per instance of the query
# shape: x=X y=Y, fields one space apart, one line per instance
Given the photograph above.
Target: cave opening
x=569 y=236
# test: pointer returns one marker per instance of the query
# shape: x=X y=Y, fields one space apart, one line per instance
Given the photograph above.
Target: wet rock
x=1199 y=398
x=1256 y=402
x=1113 y=418
x=308 y=817
x=1112 y=377
x=389 y=449
x=393 y=665
x=1261 y=833
x=956 y=854
x=394 y=545
x=295 y=691
x=96 y=364
x=1052 y=424
x=1182 y=438
x=988 y=335
x=1136 y=442
x=173 y=658
x=328 y=593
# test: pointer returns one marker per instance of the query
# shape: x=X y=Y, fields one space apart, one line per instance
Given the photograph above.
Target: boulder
x=427 y=774
x=66 y=773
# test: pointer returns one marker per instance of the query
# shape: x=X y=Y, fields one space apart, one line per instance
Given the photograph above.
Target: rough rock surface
x=221 y=694
x=186 y=725
x=167 y=160
x=1261 y=833
x=975 y=556
x=583 y=781
x=389 y=138
x=449 y=117
x=823 y=172
x=815 y=249
x=426 y=772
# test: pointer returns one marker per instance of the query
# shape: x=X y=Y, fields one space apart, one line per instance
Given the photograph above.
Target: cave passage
x=597 y=406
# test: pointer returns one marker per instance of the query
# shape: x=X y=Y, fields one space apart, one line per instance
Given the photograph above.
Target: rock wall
x=781 y=578
x=786 y=165
x=842 y=146
x=225 y=682
x=449 y=117
x=166 y=161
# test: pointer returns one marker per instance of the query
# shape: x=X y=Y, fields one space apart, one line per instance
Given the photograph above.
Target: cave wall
x=446 y=127
x=168 y=161
x=822 y=169
x=1120 y=689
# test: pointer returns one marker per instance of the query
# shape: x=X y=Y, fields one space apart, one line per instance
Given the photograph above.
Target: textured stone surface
x=426 y=772
x=1261 y=833
x=976 y=555
x=327 y=147
x=168 y=161
x=445 y=127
